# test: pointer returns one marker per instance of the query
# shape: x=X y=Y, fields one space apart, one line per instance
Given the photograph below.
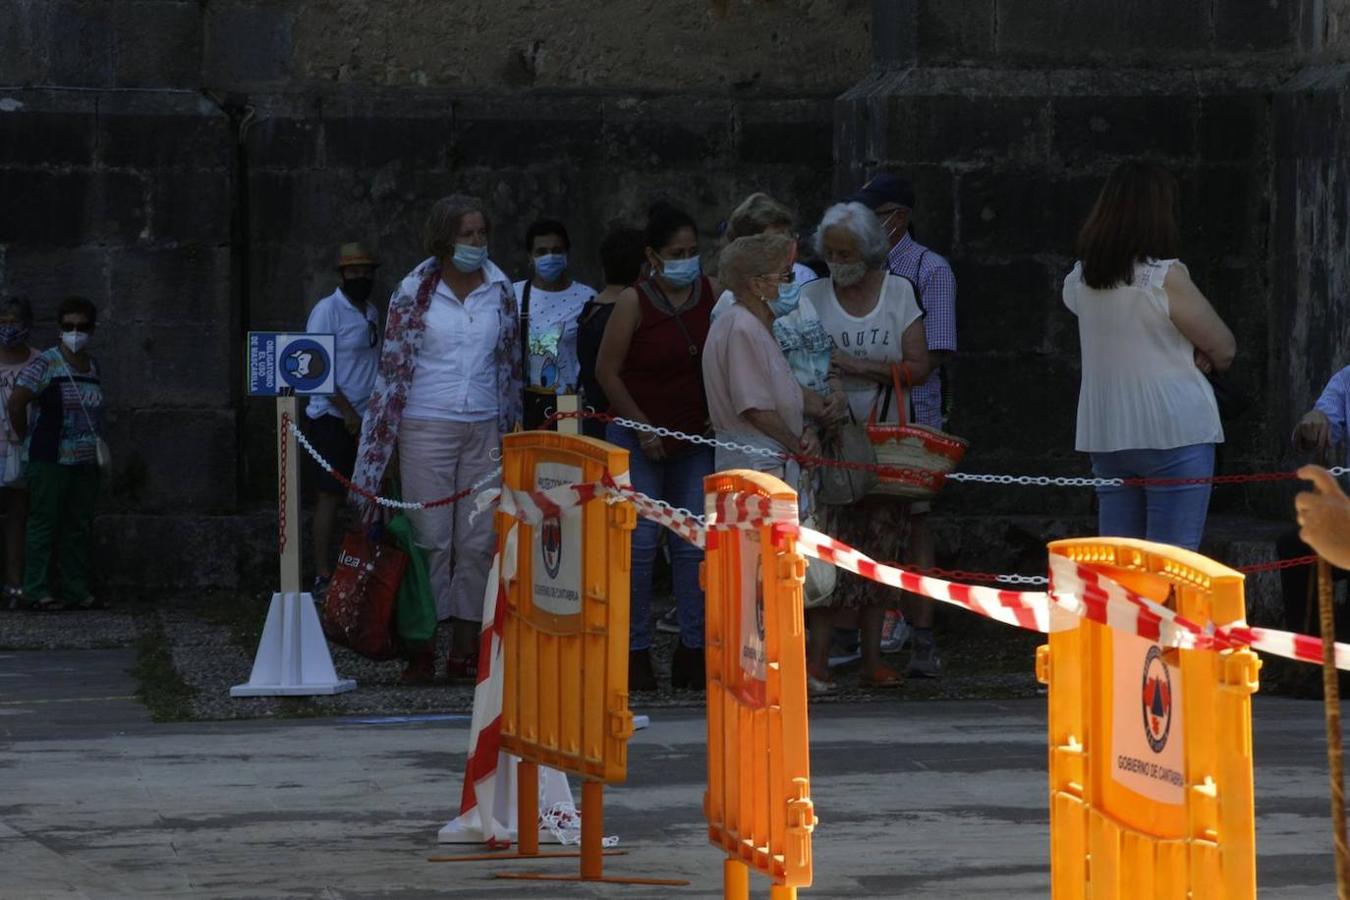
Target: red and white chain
x=388 y=502
x=966 y=477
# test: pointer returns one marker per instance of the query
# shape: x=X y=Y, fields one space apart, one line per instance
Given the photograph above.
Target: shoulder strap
x=525 y=331
x=93 y=370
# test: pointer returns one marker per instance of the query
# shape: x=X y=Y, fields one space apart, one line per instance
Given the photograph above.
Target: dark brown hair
x=1134 y=218
x=76 y=306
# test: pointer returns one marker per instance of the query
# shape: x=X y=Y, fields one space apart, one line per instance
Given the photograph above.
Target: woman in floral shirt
x=448 y=388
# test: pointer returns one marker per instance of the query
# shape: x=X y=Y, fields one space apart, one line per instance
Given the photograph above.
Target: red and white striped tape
x=1022 y=609
x=1077 y=592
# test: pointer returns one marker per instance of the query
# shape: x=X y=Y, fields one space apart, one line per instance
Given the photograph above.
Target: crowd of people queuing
x=776 y=348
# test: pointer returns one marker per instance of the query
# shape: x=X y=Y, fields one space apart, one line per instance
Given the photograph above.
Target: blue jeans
x=1169 y=514
x=679 y=482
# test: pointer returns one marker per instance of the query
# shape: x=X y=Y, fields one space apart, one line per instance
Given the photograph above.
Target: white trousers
x=436 y=459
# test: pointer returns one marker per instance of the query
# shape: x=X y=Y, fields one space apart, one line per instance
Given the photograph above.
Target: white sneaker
x=895 y=632
x=670 y=622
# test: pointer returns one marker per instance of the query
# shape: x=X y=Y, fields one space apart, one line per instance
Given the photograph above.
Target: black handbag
x=1233 y=400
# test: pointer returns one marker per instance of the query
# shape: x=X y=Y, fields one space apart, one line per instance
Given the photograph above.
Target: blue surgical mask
x=787 y=299
x=14 y=335
x=469 y=258
x=550 y=266
x=680 y=272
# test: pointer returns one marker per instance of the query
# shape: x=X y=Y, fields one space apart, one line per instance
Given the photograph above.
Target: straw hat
x=356 y=254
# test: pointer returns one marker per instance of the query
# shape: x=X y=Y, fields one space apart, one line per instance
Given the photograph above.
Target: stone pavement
x=941 y=799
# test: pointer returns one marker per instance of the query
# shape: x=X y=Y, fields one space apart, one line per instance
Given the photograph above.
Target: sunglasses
x=81 y=327
x=373 y=333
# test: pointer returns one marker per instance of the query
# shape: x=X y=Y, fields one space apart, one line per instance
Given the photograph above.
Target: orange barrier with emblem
x=1150 y=747
x=565 y=633
x=565 y=640
x=758 y=803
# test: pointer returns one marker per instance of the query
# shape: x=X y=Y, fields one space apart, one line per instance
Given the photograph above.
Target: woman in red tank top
x=650 y=366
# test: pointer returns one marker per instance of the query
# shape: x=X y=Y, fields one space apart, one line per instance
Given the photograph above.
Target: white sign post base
x=293 y=658
x=553 y=790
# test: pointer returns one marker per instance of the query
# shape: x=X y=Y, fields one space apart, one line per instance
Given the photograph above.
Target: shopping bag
x=927 y=453
x=358 y=612
x=416 y=605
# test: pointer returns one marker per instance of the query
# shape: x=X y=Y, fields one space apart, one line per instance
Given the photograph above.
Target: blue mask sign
x=278 y=363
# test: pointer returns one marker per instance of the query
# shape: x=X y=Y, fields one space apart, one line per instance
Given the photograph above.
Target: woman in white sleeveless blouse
x=1148 y=337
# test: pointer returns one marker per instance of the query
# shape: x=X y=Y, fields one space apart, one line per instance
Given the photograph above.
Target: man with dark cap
x=334 y=424
x=892 y=199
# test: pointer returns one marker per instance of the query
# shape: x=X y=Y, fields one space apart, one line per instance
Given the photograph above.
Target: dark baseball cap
x=885 y=188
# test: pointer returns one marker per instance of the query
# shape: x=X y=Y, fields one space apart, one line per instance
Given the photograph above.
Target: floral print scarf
x=403 y=335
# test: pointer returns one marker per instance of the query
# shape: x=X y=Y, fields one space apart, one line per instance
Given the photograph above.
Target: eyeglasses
x=81 y=327
x=782 y=277
x=373 y=333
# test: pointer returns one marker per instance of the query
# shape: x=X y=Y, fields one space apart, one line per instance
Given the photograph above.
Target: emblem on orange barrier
x=1157 y=700
x=550 y=539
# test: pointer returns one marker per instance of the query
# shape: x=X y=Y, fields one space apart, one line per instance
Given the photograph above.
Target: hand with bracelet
x=653 y=447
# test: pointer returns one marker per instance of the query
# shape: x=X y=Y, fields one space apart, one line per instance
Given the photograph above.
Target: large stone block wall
x=1009 y=116
x=190 y=166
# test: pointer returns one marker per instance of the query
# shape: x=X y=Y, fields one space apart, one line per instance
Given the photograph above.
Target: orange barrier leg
x=735 y=880
x=782 y=892
x=592 y=847
x=527 y=838
x=592 y=830
x=527 y=808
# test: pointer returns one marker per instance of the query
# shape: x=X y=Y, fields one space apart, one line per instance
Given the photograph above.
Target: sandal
x=90 y=602
x=882 y=677
x=47 y=604
x=461 y=668
x=818 y=682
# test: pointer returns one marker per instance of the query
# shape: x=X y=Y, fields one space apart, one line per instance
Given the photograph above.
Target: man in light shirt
x=334 y=424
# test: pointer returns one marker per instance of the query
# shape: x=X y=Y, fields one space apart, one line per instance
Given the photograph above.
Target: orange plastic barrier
x=758 y=803
x=565 y=641
x=1150 y=748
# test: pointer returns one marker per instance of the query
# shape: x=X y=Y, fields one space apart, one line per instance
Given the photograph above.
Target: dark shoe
x=687 y=669
x=47 y=604
x=421 y=668
x=640 y=674
x=461 y=668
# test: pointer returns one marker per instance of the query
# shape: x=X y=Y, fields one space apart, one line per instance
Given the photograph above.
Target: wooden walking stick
x=1332 y=704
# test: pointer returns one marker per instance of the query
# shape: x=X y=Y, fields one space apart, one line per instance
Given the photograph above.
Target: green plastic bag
x=415 y=614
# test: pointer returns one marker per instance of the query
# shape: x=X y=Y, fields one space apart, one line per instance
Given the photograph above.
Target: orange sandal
x=882 y=677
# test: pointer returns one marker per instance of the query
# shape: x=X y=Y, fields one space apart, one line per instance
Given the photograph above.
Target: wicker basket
x=927 y=453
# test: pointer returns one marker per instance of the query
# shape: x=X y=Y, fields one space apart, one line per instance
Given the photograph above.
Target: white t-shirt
x=875 y=336
x=804 y=274
x=1140 y=387
x=456 y=377
x=553 y=334
x=356 y=356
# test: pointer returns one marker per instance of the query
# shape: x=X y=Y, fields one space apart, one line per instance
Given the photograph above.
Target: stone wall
x=1009 y=117
x=191 y=166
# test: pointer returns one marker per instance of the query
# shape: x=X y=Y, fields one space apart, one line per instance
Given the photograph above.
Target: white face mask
x=74 y=340
x=847 y=274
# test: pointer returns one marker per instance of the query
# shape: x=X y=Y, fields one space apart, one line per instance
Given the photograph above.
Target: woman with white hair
x=875 y=323
x=753 y=397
